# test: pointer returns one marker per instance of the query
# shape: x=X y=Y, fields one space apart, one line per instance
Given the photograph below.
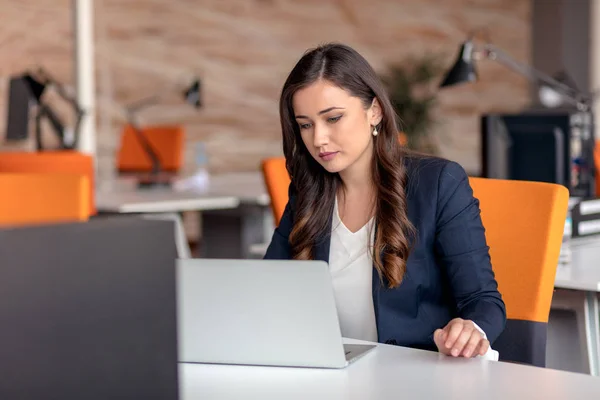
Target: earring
x=375 y=131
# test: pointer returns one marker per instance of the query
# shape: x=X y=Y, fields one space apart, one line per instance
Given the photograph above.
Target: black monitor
x=19 y=105
x=536 y=147
x=88 y=311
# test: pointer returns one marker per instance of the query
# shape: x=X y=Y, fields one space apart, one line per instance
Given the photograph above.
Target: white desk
x=224 y=191
x=577 y=288
x=388 y=372
x=235 y=209
x=160 y=201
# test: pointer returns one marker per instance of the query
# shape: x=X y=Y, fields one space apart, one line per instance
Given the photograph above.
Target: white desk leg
x=585 y=306
x=591 y=313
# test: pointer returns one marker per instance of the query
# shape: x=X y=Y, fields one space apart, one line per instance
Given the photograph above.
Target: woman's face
x=335 y=126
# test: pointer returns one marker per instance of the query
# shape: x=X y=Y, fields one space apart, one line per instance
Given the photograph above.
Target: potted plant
x=412 y=87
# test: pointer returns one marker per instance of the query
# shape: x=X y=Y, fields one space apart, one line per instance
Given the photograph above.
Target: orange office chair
x=35 y=198
x=166 y=141
x=66 y=161
x=524 y=224
x=277 y=181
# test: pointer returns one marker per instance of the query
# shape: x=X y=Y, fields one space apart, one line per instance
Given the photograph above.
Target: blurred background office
x=242 y=50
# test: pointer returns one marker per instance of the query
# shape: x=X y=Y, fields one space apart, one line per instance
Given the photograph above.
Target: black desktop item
x=88 y=311
x=27 y=92
x=543 y=147
x=19 y=105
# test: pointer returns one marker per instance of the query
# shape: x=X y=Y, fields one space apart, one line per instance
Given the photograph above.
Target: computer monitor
x=536 y=147
x=19 y=105
x=88 y=311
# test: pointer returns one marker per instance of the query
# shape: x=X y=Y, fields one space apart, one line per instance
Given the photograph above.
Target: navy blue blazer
x=449 y=273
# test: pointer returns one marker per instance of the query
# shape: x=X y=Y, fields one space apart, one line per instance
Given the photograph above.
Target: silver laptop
x=260 y=312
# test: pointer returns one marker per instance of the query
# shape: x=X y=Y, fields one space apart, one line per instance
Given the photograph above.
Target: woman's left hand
x=460 y=338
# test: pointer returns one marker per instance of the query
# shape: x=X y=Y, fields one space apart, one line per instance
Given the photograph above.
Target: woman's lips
x=328 y=156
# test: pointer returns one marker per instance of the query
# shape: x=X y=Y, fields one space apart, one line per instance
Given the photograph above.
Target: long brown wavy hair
x=316 y=188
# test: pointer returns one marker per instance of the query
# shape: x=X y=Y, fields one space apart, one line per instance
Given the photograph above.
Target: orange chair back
x=277 y=181
x=65 y=162
x=166 y=141
x=35 y=198
x=524 y=224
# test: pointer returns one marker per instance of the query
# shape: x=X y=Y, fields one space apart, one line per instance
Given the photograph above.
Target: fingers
x=484 y=347
x=473 y=344
x=463 y=339
x=455 y=334
x=438 y=339
x=460 y=338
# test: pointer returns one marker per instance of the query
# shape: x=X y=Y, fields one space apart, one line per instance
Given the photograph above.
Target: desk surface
x=248 y=187
x=158 y=201
x=388 y=372
x=224 y=192
x=583 y=272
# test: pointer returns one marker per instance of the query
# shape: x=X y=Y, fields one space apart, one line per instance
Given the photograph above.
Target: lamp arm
x=143 y=140
x=579 y=100
x=150 y=152
x=55 y=122
x=145 y=102
x=60 y=89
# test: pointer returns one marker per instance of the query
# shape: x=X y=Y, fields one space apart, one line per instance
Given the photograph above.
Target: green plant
x=412 y=90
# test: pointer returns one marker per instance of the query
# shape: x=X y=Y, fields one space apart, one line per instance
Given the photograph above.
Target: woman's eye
x=305 y=126
x=334 y=119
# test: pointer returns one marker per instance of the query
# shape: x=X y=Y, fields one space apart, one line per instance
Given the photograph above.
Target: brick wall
x=243 y=50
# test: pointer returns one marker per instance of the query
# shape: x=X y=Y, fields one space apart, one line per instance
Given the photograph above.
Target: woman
x=402 y=233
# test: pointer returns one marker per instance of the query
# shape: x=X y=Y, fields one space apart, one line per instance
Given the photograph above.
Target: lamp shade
x=463 y=69
x=192 y=94
x=36 y=88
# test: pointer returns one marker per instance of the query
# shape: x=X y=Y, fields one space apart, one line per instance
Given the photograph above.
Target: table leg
x=587 y=314
x=591 y=313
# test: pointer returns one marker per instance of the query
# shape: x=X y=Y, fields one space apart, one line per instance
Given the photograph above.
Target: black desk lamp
x=191 y=96
x=37 y=87
x=464 y=71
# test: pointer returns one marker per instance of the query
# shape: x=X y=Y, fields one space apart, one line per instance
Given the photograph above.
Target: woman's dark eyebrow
x=322 y=111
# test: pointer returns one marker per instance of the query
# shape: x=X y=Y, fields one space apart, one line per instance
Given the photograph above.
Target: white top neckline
x=351 y=268
x=338 y=221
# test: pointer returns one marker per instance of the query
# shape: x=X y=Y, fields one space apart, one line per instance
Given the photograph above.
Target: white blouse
x=351 y=268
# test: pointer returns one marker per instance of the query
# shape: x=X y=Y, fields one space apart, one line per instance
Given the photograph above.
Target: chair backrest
x=39 y=198
x=277 y=181
x=167 y=142
x=524 y=223
x=64 y=162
